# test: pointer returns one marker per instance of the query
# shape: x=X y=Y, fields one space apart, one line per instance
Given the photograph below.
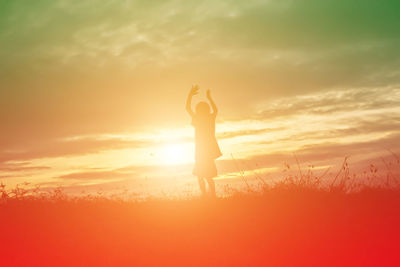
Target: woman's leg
x=211 y=185
x=202 y=185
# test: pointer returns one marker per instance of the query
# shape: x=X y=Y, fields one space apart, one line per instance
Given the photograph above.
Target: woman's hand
x=194 y=90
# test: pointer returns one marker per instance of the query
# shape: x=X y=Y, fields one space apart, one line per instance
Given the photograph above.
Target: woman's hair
x=202 y=108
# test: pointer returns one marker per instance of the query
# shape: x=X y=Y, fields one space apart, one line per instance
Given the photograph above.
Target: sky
x=92 y=93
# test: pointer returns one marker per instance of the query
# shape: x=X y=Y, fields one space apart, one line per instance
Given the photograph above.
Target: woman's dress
x=206 y=146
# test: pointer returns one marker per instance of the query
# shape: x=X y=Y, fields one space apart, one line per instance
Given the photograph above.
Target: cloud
x=72 y=147
x=391 y=125
x=24 y=166
x=331 y=102
x=232 y=134
x=95 y=175
x=323 y=37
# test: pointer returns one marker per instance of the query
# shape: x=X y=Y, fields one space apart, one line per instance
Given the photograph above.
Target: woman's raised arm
x=213 y=106
x=193 y=91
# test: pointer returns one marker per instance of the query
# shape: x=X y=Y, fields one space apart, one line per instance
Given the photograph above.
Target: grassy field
x=293 y=223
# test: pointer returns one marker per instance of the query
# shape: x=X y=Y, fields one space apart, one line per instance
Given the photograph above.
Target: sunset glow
x=176 y=154
x=200 y=133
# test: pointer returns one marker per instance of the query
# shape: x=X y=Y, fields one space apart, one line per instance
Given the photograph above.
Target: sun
x=175 y=154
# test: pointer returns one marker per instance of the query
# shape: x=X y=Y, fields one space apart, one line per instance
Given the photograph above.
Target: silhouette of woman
x=206 y=146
